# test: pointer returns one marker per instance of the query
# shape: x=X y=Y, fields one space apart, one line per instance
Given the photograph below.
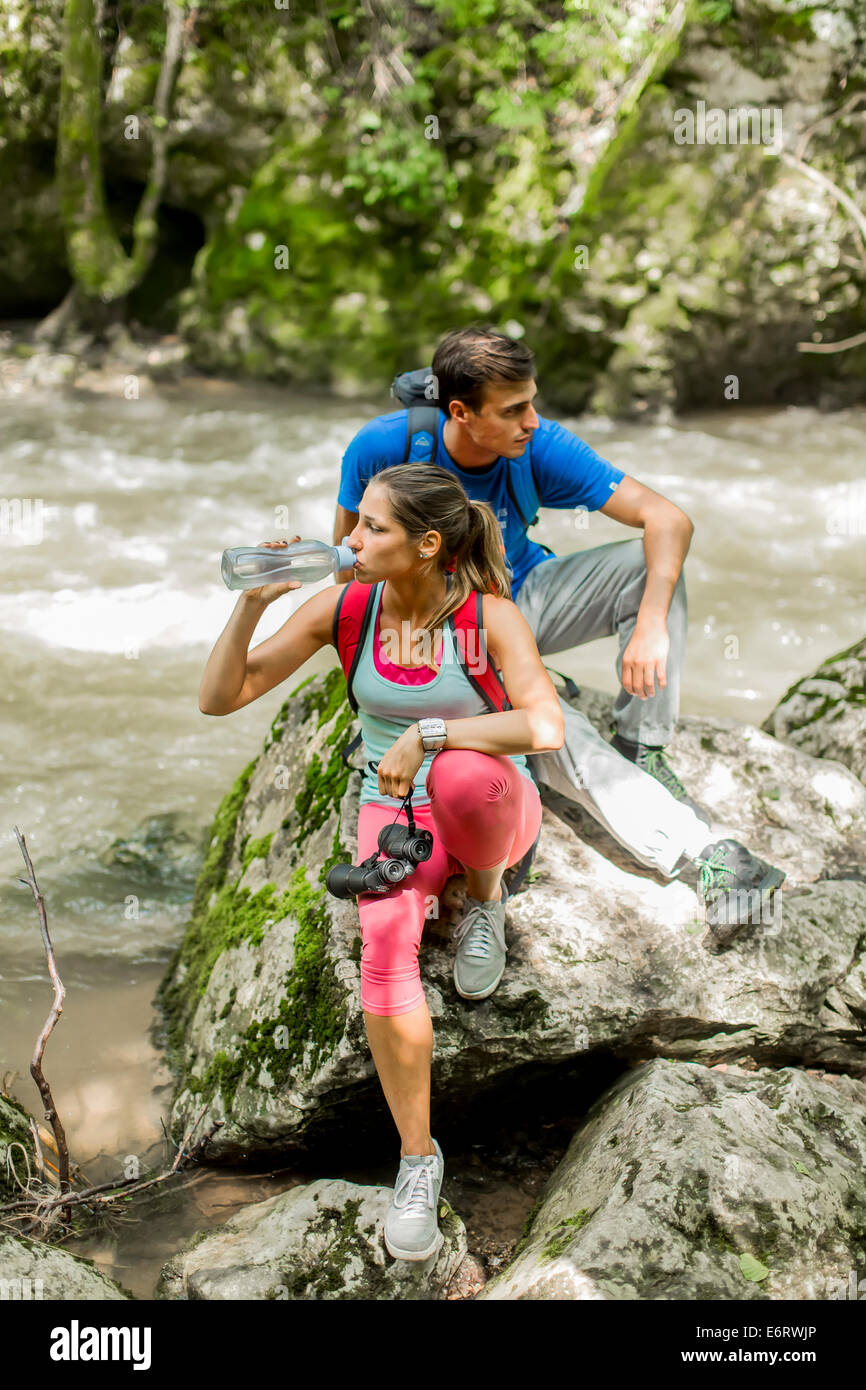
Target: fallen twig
x=59 y=995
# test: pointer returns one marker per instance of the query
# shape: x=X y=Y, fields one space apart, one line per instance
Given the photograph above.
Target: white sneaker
x=411 y=1221
x=481 y=952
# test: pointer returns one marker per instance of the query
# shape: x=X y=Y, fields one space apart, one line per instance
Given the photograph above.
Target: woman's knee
x=467 y=776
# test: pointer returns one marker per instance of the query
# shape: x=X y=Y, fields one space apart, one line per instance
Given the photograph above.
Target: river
x=111 y=599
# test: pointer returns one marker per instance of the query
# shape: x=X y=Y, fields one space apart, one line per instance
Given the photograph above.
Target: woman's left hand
x=398 y=767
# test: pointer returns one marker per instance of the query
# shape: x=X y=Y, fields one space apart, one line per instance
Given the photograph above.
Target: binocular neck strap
x=407 y=801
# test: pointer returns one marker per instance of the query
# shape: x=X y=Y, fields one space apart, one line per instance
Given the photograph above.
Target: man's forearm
x=666 y=543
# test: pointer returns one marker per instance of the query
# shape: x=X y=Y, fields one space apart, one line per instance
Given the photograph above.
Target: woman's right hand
x=266 y=593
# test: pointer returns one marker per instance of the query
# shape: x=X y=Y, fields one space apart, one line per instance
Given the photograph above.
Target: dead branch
x=842 y=346
x=806 y=135
x=59 y=995
x=858 y=217
x=39 y=1209
x=823 y=182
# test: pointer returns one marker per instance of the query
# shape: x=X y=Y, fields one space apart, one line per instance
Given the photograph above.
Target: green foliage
x=752 y=1269
x=716 y=11
x=399 y=168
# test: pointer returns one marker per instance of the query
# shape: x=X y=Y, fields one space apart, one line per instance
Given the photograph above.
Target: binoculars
x=404 y=847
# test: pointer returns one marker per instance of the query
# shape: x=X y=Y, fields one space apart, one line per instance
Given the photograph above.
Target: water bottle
x=248 y=566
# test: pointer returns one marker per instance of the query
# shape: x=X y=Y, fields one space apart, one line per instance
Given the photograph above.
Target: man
x=633 y=588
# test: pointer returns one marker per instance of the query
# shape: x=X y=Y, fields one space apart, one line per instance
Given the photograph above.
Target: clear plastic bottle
x=248 y=566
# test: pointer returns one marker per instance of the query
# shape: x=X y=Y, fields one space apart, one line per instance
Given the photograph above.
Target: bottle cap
x=345 y=555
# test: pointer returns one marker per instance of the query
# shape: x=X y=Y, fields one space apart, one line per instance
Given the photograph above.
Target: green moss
x=256 y=849
x=230 y=1002
x=717 y=1234
x=324 y=786
x=224 y=915
x=325 y=700
x=313 y=1010
x=344 y=1243
x=301 y=686
x=14 y=1129
x=529 y=1013
x=527 y=1227
x=235 y=916
x=223 y=1074
x=222 y=834
x=194 y=958
x=279 y=722
x=564 y=1234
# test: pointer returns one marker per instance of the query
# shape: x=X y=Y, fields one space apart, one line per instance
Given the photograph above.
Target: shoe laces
x=713 y=868
x=478 y=923
x=417 y=1189
x=654 y=762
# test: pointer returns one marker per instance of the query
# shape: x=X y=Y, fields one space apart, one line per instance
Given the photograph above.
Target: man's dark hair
x=466 y=358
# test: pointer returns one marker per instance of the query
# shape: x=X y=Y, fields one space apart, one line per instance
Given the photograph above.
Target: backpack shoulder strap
x=352 y=617
x=468 y=626
x=522 y=487
x=422 y=434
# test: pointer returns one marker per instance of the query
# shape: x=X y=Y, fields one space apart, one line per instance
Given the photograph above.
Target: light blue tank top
x=386 y=709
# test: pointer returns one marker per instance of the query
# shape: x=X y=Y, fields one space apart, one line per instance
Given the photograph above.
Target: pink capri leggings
x=482 y=810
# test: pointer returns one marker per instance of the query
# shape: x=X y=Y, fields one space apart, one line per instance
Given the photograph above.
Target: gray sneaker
x=481 y=951
x=411 y=1221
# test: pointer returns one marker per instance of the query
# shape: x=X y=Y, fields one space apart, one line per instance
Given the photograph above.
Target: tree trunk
x=103 y=274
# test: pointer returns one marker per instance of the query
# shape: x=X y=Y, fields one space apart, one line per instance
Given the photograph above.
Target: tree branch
x=59 y=995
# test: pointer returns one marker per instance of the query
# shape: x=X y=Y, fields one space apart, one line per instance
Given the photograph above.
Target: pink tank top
x=400 y=675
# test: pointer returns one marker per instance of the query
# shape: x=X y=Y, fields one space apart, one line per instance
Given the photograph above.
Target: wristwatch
x=433 y=734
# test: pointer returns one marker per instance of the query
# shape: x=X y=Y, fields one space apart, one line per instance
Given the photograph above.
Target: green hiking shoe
x=650 y=759
x=736 y=889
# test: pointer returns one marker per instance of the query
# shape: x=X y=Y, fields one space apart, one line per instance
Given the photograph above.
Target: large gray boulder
x=825 y=714
x=32 y=1270
x=320 y=1241
x=262 y=1000
x=689 y=1183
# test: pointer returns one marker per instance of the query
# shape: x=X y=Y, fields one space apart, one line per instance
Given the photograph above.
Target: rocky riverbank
x=718 y=1095
x=610 y=970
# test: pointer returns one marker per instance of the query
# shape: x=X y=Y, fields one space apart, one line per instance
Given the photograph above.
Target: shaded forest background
x=315 y=193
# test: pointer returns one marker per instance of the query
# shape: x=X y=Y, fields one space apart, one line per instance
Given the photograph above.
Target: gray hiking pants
x=571 y=600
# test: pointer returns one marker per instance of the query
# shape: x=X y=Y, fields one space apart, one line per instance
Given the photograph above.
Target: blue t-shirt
x=568 y=473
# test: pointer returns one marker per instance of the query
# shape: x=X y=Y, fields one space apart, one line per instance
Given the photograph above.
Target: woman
x=425 y=546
